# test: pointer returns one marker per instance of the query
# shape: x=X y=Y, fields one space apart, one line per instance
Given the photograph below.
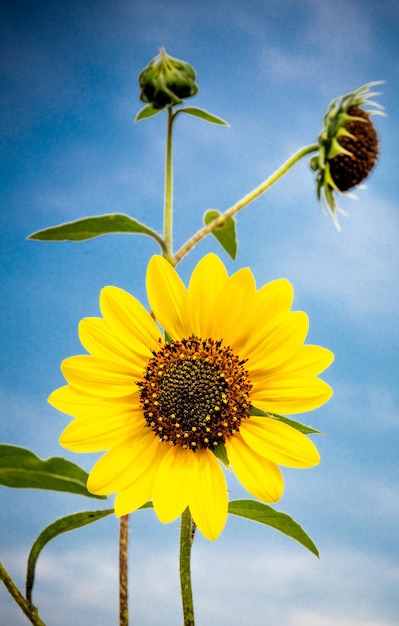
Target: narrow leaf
x=225 y=234
x=146 y=112
x=306 y=430
x=22 y=469
x=60 y=526
x=90 y=227
x=264 y=514
x=203 y=115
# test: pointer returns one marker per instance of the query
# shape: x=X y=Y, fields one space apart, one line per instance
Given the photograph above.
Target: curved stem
x=187 y=531
x=30 y=611
x=123 y=571
x=168 y=202
x=247 y=199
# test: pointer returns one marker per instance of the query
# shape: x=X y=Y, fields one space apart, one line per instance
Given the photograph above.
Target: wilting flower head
x=348 y=146
x=165 y=407
x=167 y=81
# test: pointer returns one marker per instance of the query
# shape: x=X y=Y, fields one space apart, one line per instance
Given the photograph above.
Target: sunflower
x=166 y=406
x=347 y=146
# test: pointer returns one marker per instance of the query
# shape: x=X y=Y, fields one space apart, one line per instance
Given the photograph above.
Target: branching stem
x=30 y=611
x=247 y=199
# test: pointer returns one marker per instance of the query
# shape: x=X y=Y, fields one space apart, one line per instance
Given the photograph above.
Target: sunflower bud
x=167 y=81
x=348 y=146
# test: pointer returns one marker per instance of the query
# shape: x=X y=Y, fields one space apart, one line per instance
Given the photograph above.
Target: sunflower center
x=195 y=393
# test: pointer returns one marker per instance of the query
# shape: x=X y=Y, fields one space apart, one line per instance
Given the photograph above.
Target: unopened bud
x=167 y=81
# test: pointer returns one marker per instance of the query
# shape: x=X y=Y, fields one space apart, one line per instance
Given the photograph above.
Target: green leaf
x=203 y=115
x=60 y=526
x=264 y=514
x=146 y=112
x=225 y=234
x=306 y=430
x=22 y=469
x=90 y=227
x=221 y=454
x=147 y=505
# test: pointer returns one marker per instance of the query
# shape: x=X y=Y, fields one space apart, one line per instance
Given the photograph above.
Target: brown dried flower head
x=348 y=146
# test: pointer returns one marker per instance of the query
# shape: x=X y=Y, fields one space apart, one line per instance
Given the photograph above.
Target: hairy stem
x=247 y=199
x=187 y=531
x=168 y=202
x=30 y=611
x=123 y=571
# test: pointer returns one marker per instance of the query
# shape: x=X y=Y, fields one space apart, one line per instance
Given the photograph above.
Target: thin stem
x=168 y=203
x=250 y=197
x=123 y=571
x=30 y=611
x=187 y=531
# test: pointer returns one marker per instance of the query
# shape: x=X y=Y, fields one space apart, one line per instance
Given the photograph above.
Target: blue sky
x=69 y=149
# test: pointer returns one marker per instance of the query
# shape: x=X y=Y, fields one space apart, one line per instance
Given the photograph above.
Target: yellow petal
x=234 y=310
x=172 y=483
x=129 y=320
x=101 y=433
x=274 y=298
x=100 y=377
x=279 y=443
x=308 y=361
x=74 y=402
x=260 y=477
x=167 y=296
x=125 y=463
x=208 y=494
x=290 y=393
x=96 y=336
x=137 y=494
x=281 y=338
x=207 y=279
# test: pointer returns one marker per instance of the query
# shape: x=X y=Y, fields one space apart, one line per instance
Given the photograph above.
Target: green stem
x=187 y=531
x=123 y=571
x=30 y=611
x=168 y=203
x=250 y=197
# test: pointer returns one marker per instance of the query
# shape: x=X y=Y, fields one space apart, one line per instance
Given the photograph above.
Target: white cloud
x=339 y=28
x=353 y=273
x=233 y=586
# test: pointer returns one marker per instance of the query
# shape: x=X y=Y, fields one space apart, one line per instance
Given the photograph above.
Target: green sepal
x=336 y=148
x=225 y=234
x=167 y=337
x=146 y=112
x=264 y=514
x=22 y=469
x=220 y=453
x=60 y=526
x=90 y=227
x=305 y=430
x=203 y=115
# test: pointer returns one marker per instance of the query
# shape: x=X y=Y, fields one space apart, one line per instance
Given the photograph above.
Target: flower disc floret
x=166 y=410
x=195 y=393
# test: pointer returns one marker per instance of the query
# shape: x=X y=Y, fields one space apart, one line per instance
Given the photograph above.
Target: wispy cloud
x=232 y=586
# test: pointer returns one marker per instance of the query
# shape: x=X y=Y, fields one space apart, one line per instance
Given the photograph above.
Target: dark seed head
x=349 y=171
